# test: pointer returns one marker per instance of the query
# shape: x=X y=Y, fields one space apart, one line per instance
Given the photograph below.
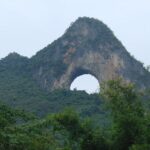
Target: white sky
x=26 y=26
x=86 y=82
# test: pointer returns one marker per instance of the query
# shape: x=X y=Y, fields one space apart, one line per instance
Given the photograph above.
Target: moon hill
x=41 y=84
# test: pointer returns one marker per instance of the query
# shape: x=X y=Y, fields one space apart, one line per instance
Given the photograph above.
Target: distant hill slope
x=28 y=83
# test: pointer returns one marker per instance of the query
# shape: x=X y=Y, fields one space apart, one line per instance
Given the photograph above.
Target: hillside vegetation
x=19 y=90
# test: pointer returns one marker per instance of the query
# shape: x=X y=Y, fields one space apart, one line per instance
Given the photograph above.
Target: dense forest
x=127 y=126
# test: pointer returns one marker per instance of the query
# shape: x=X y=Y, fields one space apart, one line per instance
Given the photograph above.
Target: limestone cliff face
x=88 y=46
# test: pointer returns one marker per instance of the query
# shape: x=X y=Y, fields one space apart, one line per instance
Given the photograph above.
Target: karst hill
x=87 y=46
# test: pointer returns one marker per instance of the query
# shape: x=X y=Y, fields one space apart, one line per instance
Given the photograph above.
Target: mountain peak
x=14 y=55
x=14 y=59
x=88 y=21
x=91 y=29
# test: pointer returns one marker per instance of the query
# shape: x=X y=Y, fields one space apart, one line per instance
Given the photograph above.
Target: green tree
x=127 y=114
x=82 y=132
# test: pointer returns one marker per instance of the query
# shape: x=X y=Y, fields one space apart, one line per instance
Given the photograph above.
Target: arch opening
x=87 y=83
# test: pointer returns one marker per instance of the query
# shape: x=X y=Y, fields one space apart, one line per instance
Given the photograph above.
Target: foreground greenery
x=129 y=128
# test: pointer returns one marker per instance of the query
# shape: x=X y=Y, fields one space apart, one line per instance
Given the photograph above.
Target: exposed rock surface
x=88 y=46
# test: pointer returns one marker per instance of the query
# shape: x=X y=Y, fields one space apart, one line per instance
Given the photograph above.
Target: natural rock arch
x=88 y=46
x=89 y=63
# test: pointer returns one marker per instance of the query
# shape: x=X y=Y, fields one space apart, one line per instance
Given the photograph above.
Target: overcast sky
x=26 y=26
